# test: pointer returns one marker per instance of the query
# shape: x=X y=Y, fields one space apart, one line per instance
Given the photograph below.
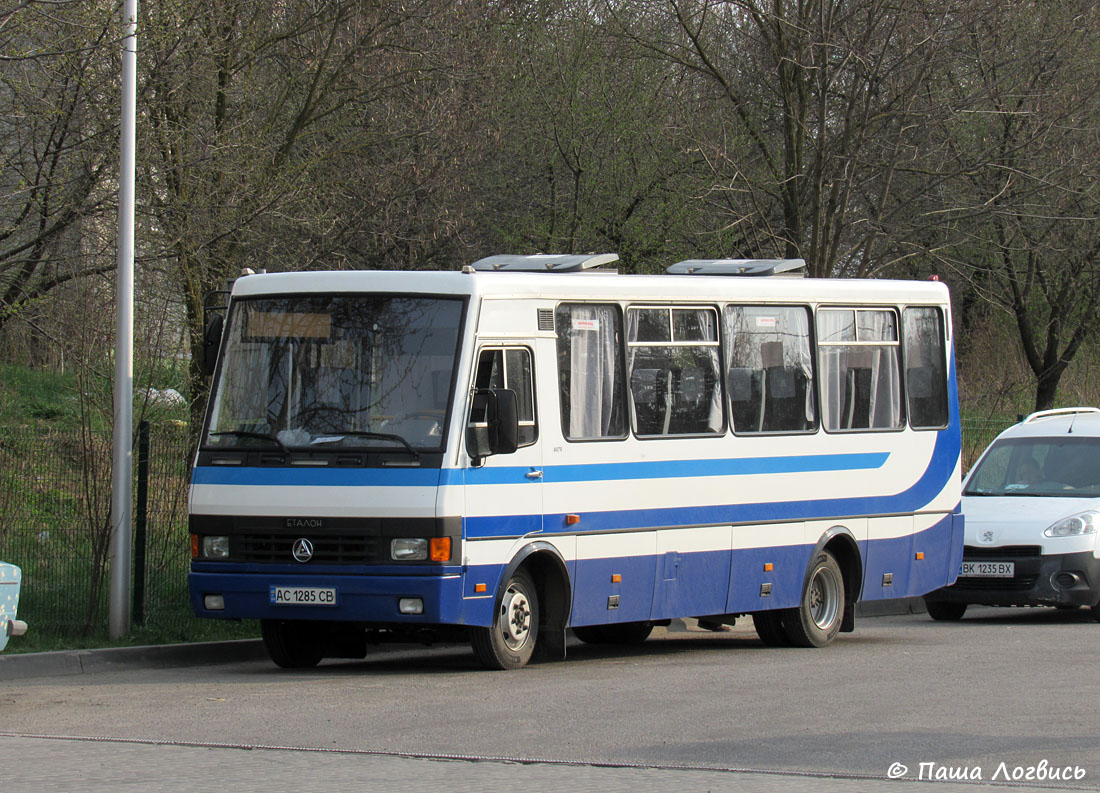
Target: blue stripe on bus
x=596 y=472
x=927 y=488
x=315 y=477
x=678 y=469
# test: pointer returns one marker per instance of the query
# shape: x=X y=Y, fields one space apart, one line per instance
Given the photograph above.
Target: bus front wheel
x=292 y=645
x=510 y=641
x=816 y=621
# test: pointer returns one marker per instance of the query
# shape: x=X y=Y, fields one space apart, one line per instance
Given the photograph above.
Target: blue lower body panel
x=603 y=590
x=359 y=598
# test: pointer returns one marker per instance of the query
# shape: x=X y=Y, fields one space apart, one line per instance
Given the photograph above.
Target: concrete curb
x=77 y=662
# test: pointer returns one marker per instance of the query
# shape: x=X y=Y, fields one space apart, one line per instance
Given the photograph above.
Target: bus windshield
x=335 y=371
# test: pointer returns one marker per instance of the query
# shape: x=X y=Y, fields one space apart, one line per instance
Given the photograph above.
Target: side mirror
x=494 y=423
x=211 y=341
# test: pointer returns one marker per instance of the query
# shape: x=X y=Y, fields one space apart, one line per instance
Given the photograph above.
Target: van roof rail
x=788 y=267
x=544 y=262
x=1042 y=414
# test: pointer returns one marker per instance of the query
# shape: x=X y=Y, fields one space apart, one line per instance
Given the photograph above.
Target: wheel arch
x=550 y=573
x=843 y=545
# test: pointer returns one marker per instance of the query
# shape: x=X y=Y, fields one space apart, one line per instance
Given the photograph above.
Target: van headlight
x=1074 y=525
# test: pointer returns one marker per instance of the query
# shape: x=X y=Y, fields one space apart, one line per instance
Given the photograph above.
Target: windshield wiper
x=381 y=436
x=263 y=436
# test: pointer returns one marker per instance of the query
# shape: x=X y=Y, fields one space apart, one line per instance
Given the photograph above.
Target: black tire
x=292 y=645
x=1095 y=612
x=945 y=611
x=621 y=633
x=769 y=627
x=509 y=643
x=816 y=621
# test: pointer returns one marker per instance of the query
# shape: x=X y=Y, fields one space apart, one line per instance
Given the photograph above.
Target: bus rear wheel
x=510 y=641
x=816 y=621
x=291 y=644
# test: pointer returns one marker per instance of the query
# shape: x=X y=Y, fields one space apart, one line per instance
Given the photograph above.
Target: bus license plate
x=988 y=569
x=303 y=596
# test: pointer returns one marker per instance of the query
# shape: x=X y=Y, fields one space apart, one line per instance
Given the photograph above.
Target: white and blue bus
x=536 y=444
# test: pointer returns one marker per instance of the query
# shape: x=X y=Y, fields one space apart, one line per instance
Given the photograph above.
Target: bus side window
x=860 y=369
x=590 y=371
x=770 y=380
x=925 y=367
x=675 y=381
x=508 y=368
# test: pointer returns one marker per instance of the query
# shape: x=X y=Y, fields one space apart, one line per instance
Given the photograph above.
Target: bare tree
x=1019 y=202
x=816 y=100
x=254 y=112
x=58 y=143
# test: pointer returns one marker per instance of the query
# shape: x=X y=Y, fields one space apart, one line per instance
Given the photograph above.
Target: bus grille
x=327 y=549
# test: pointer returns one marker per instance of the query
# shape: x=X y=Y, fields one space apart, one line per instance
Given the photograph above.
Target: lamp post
x=123 y=445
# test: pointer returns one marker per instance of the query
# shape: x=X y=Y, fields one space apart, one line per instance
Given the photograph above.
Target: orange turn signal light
x=194 y=546
x=616 y=578
x=480 y=588
x=572 y=520
x=768 y=567
x=920 y=555
x=440 y=549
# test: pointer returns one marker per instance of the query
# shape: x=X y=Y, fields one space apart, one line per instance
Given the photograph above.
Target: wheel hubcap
x=824 y=599
x=515 y=618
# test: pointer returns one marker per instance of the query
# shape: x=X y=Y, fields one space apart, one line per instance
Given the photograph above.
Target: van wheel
x=291 y=644
x=1095 y=612
x=621 y=633
x=509 y=643
x=948 y=612
x=769 y=627
x=816 y=621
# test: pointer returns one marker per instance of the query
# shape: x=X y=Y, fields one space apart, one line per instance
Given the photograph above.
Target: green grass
x=33 y=397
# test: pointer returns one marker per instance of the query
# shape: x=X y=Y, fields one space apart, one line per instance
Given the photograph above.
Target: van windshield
x=1061 y=466
x=335 y=371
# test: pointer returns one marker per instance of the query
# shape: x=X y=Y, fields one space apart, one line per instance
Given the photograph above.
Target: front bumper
x=1071 y=579
x=368 y=599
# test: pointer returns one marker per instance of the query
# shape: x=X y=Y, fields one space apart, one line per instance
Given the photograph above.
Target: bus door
x=504 y=492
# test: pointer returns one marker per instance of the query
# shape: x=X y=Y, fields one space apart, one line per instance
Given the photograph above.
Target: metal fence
x=55 y=523
x=55 y=502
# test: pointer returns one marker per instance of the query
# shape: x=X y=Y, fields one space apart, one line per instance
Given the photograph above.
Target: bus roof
x=594 y=285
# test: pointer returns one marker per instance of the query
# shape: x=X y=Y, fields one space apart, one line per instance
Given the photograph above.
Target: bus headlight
x=409 y=549
x=215 y=547
x=1074 y=525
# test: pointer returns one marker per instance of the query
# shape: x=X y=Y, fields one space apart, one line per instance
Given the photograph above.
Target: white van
x=1032 y=509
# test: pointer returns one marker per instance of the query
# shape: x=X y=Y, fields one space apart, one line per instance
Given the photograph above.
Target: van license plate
x=988 y=569
x=303 y=596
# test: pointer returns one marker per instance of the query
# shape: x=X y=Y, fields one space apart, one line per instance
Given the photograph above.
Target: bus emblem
x=302 y=550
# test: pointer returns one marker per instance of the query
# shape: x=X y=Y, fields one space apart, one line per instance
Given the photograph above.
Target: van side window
x=675 y=380
x=590 y=371
x=509 y=368
x=860 y=372
x=769 y=369
x=925 y=367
